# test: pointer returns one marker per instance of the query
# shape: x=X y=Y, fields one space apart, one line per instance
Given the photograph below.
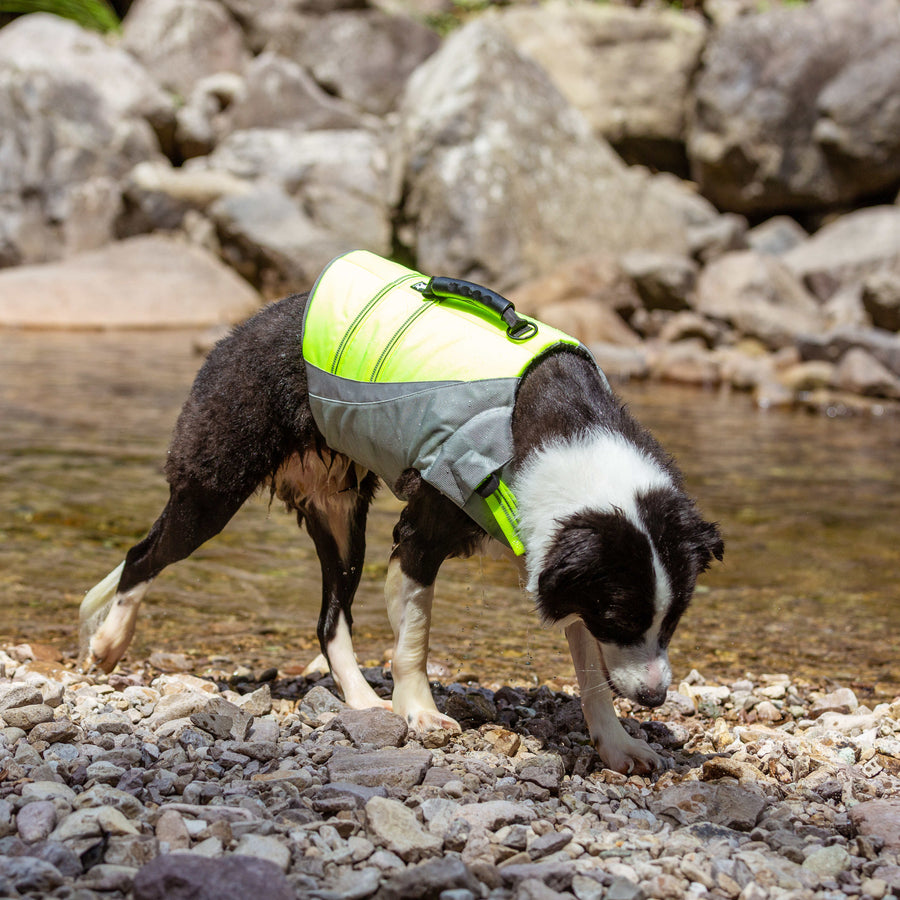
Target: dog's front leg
x=615 y=746
x=409 y=611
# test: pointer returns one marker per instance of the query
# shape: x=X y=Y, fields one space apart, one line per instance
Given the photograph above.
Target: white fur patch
x=598 y=471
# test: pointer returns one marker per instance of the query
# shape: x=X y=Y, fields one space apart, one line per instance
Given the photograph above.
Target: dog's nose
x=652 y=697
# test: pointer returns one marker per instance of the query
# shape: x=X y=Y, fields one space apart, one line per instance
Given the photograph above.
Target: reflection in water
x=808 y=507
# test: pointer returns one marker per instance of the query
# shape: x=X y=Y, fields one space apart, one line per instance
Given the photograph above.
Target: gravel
x=146 y=785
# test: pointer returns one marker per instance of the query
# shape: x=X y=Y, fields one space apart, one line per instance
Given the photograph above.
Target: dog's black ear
x=599 y=567
x=709 y=544
x=686 y=543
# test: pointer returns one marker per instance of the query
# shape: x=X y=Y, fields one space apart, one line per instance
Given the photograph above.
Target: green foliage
x=97 y=15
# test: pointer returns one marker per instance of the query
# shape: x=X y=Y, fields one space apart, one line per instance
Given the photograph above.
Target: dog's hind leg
x=109 y=610
x=332 y=497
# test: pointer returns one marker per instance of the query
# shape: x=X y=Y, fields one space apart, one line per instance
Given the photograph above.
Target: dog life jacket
x=400 y=378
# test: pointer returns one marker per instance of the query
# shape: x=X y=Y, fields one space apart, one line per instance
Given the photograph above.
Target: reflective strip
x=503 y=507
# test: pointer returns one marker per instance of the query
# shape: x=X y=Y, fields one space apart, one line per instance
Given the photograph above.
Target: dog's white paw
x=423 y=721
x=628 y=755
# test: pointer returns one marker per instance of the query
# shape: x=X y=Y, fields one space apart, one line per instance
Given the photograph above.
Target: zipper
x=361 y=316
x=391 y=345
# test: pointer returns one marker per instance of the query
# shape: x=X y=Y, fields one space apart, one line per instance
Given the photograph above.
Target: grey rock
x=182 y=42
x=827 y=862
x=778 y=124
x=7 y=819
x=556 y=876
x=278 y=92
x=533 y=889
x=45 y=42
x=585 y=47
x=831 y=346
x=493 y=814
x=430 y=880
x=880 y=818
x=377 y=727
x=36 y=820
x=30 y=875
x=26 y=717
x=19 y=693
x=256 y=703
x=733 y=806
x=664 y=281
x=91 y=823
x=548 y=843
x=759 y=296
x=860 y=373
x=395 y=827
x=881 y=298
x=272 y=242
x=482 y=199
x=139 y=282
x=131 y=850
x=336 y=796
x=177 y=876
x=847 y=250
x=623 y=889
x=62 y=730
x=351 y=884
x=340 y=176
x=776 y=236
x=403 y=768
x=109 y=723
x=222 y=719
x=105 y=795
x=371 y=80
x=261 y=846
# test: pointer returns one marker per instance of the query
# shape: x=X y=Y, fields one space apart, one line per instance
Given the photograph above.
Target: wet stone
x=372 y=727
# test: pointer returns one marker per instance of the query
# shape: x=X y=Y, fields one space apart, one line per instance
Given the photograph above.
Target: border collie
x=613 y=545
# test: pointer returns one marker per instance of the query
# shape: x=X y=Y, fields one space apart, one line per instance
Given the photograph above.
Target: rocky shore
x=232 y=784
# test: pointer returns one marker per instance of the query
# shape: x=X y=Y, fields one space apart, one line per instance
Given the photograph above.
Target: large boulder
x=63 y=151
x=339 y=177
x=272 y=242
x=182 y=41
x=847 y=250
x=364 y=57
x=147 y=281
x=279 y=92
x=796 y=108
x=758 y=296
x=45 y=43
x=499 y=178
x=627 y=70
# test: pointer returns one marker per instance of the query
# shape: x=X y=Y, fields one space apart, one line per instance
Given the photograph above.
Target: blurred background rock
x=706 y=194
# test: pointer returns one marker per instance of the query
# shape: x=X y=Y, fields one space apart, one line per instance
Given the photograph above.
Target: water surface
x=807 y=504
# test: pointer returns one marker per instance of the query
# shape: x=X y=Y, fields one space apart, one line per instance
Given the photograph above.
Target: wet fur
x=603 y=571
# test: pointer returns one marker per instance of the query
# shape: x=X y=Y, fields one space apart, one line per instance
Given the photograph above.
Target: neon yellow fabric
x=366 y=323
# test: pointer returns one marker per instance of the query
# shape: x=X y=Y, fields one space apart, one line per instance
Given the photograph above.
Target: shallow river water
x=808 y=506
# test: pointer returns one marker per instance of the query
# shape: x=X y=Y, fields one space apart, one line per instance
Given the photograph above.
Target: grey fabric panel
x=455 y=434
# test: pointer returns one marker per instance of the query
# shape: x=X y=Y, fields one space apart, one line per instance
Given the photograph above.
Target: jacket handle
x=443 y=288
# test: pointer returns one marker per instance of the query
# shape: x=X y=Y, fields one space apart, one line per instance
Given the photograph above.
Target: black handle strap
x=442 y=288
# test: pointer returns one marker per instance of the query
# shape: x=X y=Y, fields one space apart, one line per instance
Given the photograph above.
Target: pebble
x=181 y=786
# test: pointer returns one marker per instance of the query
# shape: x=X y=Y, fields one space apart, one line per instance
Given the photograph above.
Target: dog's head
x=629 y=578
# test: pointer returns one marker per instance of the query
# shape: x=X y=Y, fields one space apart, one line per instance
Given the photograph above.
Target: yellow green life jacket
x=401 y=378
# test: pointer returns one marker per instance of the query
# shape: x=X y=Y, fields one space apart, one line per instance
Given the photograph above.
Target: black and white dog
x=613 y=544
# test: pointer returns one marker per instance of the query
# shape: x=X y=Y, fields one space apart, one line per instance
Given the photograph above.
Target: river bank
x=112 y=786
